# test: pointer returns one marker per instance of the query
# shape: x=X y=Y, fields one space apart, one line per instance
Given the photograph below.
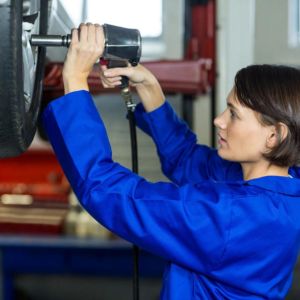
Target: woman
x=229 y=224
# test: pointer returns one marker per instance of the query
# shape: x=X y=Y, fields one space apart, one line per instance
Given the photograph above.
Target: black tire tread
x=17 y=127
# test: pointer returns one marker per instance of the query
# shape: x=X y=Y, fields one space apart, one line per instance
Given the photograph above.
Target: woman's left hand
x=86 y=47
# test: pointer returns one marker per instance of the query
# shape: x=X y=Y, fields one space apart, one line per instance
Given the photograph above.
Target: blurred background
x=49 y=247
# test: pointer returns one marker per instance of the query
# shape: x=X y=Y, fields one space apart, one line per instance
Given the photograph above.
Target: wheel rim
x=31 y=8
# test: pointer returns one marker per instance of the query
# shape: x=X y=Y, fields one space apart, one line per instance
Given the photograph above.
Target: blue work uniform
x=224 y=238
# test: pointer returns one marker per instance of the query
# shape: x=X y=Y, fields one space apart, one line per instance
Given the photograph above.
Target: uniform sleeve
x=187 y=225
x=182 y=159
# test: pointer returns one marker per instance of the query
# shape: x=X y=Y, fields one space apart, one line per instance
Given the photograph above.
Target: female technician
x=229 y=224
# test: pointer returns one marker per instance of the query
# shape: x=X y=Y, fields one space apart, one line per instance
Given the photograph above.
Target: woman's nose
x=219 y=121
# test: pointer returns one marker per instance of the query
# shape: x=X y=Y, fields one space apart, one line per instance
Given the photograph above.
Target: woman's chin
x=223 y=153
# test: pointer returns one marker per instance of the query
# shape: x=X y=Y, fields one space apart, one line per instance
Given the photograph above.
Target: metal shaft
x=50 y=40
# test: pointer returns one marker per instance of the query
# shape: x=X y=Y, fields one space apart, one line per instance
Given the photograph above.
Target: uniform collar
x=279 y=184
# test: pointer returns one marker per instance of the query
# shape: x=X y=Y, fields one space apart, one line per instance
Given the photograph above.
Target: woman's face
x=241 y=137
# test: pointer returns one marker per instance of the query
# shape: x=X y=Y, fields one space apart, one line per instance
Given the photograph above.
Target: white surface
x=235 y=43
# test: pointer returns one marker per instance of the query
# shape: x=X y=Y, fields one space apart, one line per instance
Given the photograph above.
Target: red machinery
x=33 y=194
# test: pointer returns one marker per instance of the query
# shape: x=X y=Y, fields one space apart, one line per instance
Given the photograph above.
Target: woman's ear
x=277 y=134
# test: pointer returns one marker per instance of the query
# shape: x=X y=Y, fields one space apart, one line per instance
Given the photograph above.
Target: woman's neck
x=256 y=170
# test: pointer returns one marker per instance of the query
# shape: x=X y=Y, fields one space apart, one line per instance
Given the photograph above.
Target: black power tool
x=121 y=44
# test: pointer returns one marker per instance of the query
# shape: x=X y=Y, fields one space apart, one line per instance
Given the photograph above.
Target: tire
x=21 y=74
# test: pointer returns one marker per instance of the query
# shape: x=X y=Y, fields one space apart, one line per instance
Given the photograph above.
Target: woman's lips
x=221 y=140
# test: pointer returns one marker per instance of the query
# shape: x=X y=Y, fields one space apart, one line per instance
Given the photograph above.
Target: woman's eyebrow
x=230 y=105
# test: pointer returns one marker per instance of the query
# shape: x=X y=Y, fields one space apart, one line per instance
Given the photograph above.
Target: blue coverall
x=224 y=238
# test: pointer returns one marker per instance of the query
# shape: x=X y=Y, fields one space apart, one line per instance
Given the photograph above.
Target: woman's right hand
x=137 y=75
x=86 y=47
x=146 y=84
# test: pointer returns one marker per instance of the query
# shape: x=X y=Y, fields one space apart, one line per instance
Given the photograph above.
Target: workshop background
x=49 y=247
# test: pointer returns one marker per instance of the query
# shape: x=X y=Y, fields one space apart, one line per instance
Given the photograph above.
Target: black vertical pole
x=126 y=94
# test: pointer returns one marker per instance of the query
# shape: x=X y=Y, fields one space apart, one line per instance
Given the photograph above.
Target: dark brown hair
x=274 y=92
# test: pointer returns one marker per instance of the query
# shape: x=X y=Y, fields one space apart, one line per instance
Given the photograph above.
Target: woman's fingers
x=115 y=72
x=83 y=52
x=91 y=33
x=100 y=40
x=75 y=36
x=103 y=68
x=110 y=82
x=83 y=33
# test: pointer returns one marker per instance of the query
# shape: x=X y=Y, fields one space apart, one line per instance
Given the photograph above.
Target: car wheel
x=21 y=72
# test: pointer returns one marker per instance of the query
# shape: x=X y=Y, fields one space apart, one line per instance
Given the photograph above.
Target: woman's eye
x=232 y=114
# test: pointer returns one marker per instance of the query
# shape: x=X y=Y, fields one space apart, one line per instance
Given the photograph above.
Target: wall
x=235 y=43
x=271 y=33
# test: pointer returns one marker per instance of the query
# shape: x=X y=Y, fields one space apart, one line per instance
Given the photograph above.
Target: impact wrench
x=122 y=46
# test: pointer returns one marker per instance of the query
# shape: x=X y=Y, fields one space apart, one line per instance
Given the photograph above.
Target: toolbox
x=34 y=194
